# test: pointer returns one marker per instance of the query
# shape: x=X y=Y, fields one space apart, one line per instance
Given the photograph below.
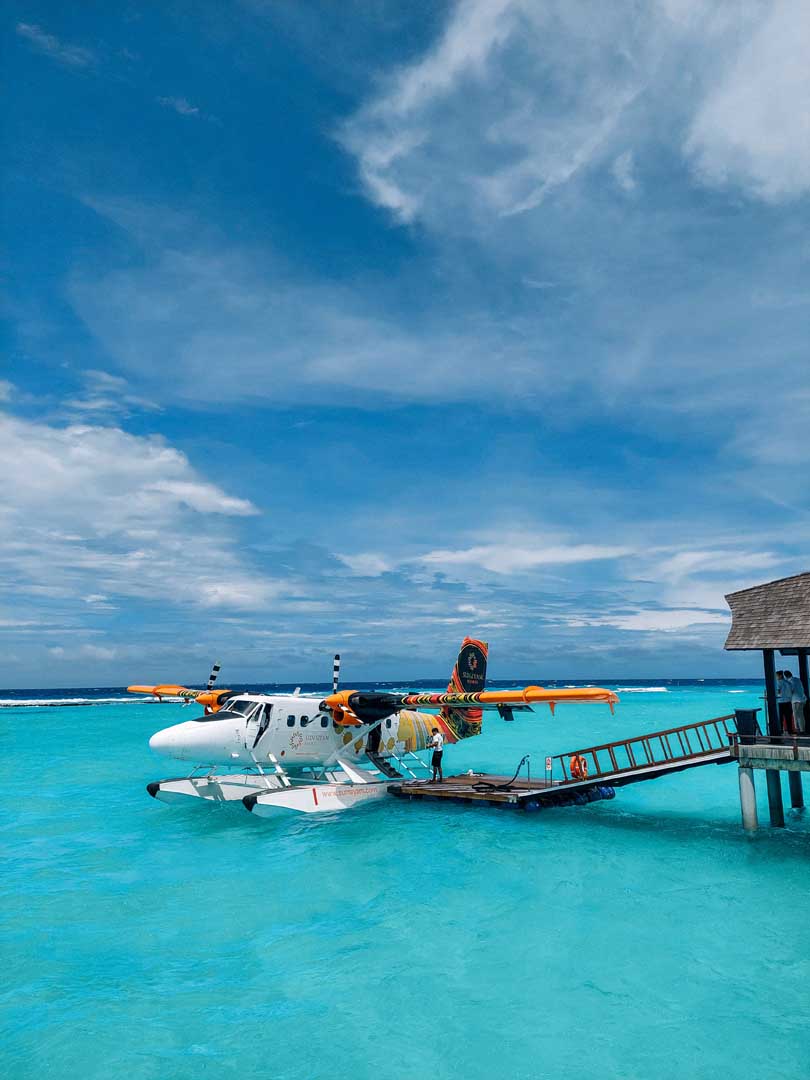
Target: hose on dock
x=487 y=785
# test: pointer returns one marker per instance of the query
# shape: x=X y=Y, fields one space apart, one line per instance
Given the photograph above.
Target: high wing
x=212 y=699
x=352 y=707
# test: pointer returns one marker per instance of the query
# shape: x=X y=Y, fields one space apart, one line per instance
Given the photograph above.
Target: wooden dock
x=478 y=787
x=590 y=774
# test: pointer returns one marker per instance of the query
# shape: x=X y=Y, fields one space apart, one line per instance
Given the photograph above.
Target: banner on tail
x=469 y=677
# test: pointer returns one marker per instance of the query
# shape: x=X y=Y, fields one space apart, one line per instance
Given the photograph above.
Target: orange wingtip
x=164 y=690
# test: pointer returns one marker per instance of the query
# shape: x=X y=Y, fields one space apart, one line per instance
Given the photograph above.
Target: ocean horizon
x=67 y=695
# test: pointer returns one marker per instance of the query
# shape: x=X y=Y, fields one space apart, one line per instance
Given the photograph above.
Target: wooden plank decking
x=462 y=788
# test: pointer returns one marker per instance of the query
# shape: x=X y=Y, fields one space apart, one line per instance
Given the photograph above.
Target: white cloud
x=366 y=564
x=205 y=498
x=205 y=310
x=98 y=652
x=753 y=129
x=179 y=105
x=725 y=562
x=83 y=652
x=508 y=558
x=70 y=55
x=517 y=98
x=664 y=620
x=95 y=513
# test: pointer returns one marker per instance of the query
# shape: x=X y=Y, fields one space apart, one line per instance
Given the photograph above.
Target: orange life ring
x=579 y=767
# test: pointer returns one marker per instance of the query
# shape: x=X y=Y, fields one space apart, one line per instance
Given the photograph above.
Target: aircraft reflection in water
x=277 y=752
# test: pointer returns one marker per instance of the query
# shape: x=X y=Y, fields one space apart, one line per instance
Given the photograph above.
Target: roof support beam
x=803 y=672
x=774 y=727
x=772 y=776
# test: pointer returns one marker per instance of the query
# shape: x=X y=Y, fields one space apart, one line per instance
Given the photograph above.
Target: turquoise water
x=646 y=937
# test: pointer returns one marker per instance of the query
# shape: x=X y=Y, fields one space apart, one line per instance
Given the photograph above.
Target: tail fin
x=469 y=676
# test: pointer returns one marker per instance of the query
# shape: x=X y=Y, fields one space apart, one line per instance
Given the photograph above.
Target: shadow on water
x=211 y=820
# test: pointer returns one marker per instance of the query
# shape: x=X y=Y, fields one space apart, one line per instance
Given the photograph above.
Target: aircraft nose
x=163 y=742
x=198 y=742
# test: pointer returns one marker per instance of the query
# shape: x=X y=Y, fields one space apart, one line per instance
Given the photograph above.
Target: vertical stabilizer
x=469 y=677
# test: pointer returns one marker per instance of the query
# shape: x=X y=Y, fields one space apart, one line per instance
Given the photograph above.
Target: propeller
x=336 y=673
x=212 y=678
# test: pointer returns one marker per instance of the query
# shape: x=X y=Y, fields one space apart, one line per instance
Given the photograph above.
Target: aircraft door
x=374 y=739
x=257 y=724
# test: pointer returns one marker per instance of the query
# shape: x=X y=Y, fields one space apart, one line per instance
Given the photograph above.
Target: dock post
x=795 y=785
x=773 y=776
x=796 y=796
x=748 y=799
x=775 y=807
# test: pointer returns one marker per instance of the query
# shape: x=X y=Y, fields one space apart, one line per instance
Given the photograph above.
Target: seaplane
x=293 y=752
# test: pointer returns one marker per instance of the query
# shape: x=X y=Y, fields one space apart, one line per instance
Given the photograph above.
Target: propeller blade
x=335 y=673
x=212 y=678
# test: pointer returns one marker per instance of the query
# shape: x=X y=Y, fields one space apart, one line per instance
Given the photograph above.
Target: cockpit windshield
x=241 y=706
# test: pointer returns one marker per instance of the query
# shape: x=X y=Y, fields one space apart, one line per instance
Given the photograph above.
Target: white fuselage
x=255 y=729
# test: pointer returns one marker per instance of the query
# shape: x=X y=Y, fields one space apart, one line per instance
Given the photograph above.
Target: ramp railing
x=689 y=742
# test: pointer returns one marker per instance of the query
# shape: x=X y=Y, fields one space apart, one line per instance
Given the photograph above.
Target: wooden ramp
x=590 y=774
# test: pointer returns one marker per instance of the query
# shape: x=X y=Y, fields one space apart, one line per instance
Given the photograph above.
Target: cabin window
x=324 y=721
x=291 y=720
x=304 y=721
x=388 y=722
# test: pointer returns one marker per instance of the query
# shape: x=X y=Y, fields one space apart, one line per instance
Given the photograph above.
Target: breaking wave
x=642 y=690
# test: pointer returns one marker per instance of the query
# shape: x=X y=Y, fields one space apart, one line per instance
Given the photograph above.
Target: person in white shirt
x=437 y=743
x=783 y=703
x=797 y=700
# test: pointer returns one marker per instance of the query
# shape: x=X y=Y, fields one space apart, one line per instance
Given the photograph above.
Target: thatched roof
x=771 y=616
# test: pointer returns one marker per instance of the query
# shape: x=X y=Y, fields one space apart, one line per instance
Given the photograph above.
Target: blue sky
x=362 y=327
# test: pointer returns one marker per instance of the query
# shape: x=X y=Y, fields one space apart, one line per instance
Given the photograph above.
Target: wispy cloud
x=75 y=56
x=623 y=169
x=665 y=620
x=508 y=558
x=512 y=101
x=104 y=396
x=180 y=105
x=366 y=564
x=615 y=348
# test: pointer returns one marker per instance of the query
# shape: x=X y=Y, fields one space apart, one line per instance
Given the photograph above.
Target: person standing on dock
x=797 y=700
x=437 y=743
x=783 y=702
